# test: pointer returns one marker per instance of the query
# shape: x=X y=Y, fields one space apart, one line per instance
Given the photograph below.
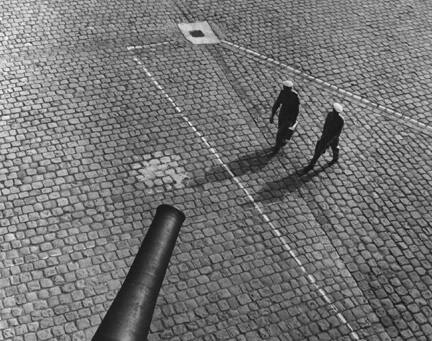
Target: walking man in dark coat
x=289 y=102
x=330 y=137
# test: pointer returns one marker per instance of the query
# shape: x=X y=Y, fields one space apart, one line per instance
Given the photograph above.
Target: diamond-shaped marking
x=198 y=33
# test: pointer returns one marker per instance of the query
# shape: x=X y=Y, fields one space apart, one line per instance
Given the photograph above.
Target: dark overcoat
x=289 y=102
x=332 y=127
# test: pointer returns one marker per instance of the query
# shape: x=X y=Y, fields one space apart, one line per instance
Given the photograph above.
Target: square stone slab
x=199 y=33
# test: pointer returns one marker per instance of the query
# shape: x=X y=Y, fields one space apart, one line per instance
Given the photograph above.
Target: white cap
x=288 y=83
x=338 y=107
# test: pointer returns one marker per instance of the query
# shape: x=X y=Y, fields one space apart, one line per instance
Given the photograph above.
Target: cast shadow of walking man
x=275 y=190
x=249 y=163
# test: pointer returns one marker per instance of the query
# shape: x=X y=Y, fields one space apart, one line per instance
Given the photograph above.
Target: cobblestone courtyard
x=107 y=111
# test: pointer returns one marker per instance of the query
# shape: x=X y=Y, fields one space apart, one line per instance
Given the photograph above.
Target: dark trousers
x=322 y=146
x=283 y=134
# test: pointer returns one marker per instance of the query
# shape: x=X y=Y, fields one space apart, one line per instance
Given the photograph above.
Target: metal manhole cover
x=198 y=33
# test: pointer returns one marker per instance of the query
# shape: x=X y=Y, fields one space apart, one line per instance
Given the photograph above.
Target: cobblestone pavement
x=91 y=146
x=377 y=50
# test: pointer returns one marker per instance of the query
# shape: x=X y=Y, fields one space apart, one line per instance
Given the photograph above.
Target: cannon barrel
x=130 y=314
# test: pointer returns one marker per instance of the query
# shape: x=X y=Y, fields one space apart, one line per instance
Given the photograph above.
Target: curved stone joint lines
x=274 y=229
x=393 y=113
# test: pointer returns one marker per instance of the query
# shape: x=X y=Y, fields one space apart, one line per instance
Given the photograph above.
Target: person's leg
x=279 y=142
x=335 y=149
x=319 y=149
x=280 y=137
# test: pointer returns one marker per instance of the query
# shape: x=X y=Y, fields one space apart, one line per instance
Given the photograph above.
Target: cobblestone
x=90 y=147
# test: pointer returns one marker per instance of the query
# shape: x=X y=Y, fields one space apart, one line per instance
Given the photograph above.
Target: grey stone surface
x=90 y=148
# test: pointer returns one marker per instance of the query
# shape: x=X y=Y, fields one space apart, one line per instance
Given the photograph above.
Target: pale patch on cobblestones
x=4 y=62
x=164 y=171
x=77 y=118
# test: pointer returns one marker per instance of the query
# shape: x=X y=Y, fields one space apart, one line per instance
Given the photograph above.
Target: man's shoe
x=274 y=151
x=333 y=161
x=305 y=169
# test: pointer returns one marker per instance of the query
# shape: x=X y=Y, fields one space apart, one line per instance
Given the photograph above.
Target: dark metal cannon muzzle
x=130 y=314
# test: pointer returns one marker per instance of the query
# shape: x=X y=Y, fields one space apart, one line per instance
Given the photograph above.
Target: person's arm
x=297 y=104
x=326 y=124
x=275 y=107
x=339 y=131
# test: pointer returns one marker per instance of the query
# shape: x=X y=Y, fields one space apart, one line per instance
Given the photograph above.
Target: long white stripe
x=275 y=230
x=417 y=124
x=139 y=47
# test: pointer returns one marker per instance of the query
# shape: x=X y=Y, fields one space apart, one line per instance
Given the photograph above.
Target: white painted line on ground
x=340 y=316
x=353 y=333
x=312 y=280
x=170 y=100
x=333 y=87
x=139 y=47
x=275 y=230
x=323 y=294
x=294 y=255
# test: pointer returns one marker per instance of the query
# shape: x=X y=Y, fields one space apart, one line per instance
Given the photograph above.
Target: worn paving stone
x=90 y=148
x=373 y=193
x=375 y=50
x=302 y=238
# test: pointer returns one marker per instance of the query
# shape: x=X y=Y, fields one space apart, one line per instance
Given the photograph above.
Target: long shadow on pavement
x=253 y=163
x=275 y=190
x=249 y=163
